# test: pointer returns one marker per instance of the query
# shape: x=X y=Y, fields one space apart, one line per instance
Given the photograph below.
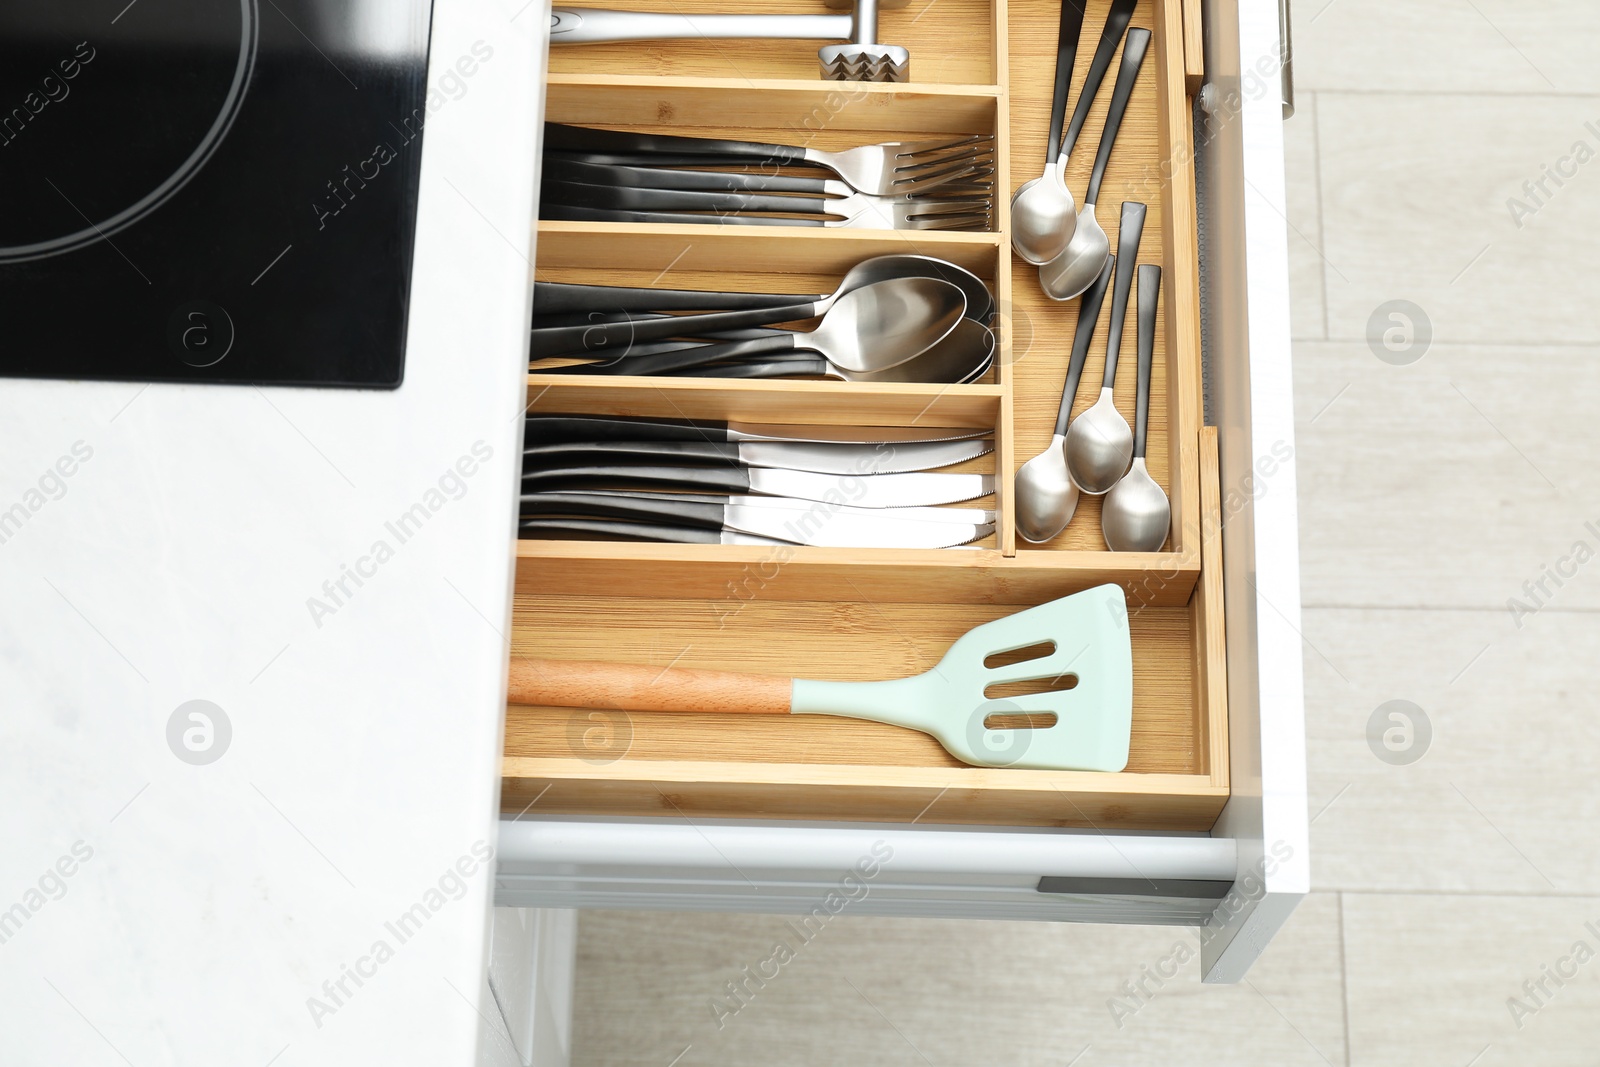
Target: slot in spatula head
x=1090 y=659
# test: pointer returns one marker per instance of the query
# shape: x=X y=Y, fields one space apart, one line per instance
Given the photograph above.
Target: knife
x=603 y=428
x=827 y=458
x=589 y=529
x=863 y=490
x=970 y=516
x=822 y=526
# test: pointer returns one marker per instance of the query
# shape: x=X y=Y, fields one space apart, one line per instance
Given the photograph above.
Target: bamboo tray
x=861 y=614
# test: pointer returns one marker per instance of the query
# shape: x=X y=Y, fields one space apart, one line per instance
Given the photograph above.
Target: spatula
x=1090 y=715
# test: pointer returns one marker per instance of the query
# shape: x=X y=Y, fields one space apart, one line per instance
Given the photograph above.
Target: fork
x=572 y=202
x=881 y=169
x=973 y=180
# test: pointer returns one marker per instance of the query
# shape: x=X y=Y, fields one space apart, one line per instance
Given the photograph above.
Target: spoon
x=1043 y=214
x=1136 y=513
x=872 y=328
x=592 y=338
x=966 y=353
x=1078 y=265
x=1040 y=205
x=1099 y=443
x=1045 y=494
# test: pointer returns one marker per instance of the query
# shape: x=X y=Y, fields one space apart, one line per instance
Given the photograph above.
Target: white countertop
x=212 y=910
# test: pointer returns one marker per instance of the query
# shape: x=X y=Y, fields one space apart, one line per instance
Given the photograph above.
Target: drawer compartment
x=877 y=613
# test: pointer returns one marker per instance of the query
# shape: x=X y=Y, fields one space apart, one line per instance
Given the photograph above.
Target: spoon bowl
x=1043 y=216
x=1046 y=496
x=1136 y=512
x=1078 y=264
x=1099 y=446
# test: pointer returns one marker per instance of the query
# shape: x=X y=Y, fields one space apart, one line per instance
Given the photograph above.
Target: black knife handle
x=589 y=529
x=601 y=428
x=605 y=476
x=674 y=452
x=658 y=507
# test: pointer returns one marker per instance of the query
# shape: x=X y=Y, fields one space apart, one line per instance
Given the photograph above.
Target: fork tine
x=938 y=164
x=915 y=148
x=927 y=179
x=974 y=206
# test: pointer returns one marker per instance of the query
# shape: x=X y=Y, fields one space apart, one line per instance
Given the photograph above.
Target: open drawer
x=1212 y=799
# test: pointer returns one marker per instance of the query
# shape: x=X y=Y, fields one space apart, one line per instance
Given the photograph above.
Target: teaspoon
x=1099 y=443
x=1136 y=513
x=1046 y=496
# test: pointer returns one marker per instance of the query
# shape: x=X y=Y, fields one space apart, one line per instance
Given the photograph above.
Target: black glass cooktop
x=209 y=190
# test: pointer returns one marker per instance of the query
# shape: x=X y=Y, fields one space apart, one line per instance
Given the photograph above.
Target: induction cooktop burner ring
x=249 y=39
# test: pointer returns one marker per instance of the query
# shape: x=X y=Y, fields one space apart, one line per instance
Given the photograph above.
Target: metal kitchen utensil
x=1090 y=718
x=872 y=328
x=1099 y=443
x=968 y=515
x=863 y=490
x=821 y=458
x=552 y=298
x=896 y=216
x=1045 y=493
x=1078 y=265
x=606 y=338
x=567 y=529
x=822 y=525
x=964 y=354
x=975 y=183
x=854 y=211
x=1043 y=220
x=1136 y=512
x=618 y=428
x=883 y=169
x=861 y=59
x=1036 y=214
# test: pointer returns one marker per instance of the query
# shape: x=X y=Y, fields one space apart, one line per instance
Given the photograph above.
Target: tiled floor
x=1451 y=895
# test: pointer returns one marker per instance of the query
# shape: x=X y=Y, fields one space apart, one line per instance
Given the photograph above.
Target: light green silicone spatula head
x=1087 y=658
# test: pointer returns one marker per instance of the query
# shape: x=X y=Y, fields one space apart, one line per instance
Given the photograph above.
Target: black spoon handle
x=562 y=298
x=1110 y=36
x=1088 y=316
x=1132 y=58
x=562 y=137
x=672 y=362
x=1149 y=298
x=615 y=337
x=793 y=368
x=1066 y=55
x=1127 y=255
x=601 y=529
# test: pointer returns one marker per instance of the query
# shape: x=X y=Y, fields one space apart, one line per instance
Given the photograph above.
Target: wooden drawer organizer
x=876 y=613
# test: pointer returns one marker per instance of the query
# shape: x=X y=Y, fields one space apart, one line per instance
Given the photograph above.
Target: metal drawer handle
x=1286 y=58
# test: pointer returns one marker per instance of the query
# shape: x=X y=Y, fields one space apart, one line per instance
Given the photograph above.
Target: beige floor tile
x=886 y=991
x=1450 y=482
x=1415 y=192
x=1430 y=978
x=1305 y=221
x=1505 y=794
x=1468 y=46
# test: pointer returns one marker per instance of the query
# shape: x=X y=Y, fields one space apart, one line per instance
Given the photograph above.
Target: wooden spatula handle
x=630 y=687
